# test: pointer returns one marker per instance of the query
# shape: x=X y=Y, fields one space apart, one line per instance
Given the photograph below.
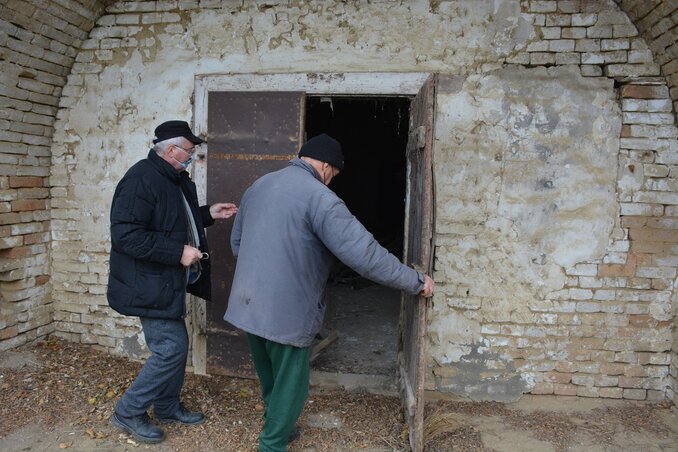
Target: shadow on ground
x=57 y=395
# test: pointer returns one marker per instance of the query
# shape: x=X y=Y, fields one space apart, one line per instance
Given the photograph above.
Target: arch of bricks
x=39 y=46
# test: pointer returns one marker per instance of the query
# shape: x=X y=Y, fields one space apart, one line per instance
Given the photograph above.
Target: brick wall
x=657 y=22
x=622 y=307
x=39 y=42
x=628 y=291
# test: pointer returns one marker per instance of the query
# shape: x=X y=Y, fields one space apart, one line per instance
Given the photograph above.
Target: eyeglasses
x=190 y=151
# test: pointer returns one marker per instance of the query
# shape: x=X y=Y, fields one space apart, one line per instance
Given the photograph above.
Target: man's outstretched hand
x=429 y=285
x=223 y=210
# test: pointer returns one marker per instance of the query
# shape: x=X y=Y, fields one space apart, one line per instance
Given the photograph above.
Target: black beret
x=173 y=129
x=324 y=148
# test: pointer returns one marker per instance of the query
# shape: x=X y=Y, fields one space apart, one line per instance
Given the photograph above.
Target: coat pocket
x=153 y=291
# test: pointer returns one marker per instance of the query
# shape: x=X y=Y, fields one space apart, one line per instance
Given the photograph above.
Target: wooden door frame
x=317 y=84
x=419 y=227
x=312 y=83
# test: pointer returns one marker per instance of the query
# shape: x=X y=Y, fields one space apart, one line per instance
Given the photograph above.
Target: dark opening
x=373 y=133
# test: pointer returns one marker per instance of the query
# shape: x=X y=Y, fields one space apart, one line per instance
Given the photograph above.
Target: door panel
x=249 y=134
x=418 y=253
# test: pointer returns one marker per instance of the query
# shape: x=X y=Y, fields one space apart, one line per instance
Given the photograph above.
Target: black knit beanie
x=324 y=148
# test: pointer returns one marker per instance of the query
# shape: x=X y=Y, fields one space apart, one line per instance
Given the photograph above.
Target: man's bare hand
x=429 y=285
x=190 y=255
x=223 y=210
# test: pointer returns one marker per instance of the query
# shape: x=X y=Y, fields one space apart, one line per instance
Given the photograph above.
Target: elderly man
x=158 y=253
x=289 y=226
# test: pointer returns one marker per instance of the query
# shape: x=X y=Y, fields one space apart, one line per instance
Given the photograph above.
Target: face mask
x=185 y=164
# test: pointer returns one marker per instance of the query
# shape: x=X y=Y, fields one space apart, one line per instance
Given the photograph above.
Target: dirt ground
x=59 y=396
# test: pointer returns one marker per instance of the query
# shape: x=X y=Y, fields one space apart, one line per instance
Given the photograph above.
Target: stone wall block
x=599 y=31
x=543 y=6
x=644 y=91
x=611 y=393
x=587 y=45
x=584 y=20
x=586 y=391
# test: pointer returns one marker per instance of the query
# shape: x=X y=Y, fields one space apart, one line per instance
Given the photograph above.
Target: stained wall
x=555 y=167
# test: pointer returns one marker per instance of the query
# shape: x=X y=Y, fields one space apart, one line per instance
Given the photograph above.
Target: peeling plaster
x=509 y=174
x=529 y=181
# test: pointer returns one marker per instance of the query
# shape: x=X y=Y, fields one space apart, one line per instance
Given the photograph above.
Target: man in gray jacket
x=288 y=227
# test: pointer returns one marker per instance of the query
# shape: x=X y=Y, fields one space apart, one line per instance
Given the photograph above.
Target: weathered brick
x=543 y=6
x=592 y=58
x=647 y=118
x=611 y=393
x=542 y=388
x=624 y=31
x=550 y=32
x=587 y=45
x=613 y=270
x=647 y=105
x=630 y=382
x=542 y=58
x=614 y=44
x=635 y=394
x=565 y=389
x=584 y=20
x=564 y=58
x=591 y=71
x=640 y=57
x=657 y=272
x=578 y=33
x=586 y=391
x=656 y=396
x=582 y=379
x=613 y=368
x=656 y=170
x=9 y=332
x=647 y=234
x=645 y=91
x=26 y=181
x=28 y=204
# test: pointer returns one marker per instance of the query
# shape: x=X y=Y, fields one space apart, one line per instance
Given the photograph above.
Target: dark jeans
x=160 y=380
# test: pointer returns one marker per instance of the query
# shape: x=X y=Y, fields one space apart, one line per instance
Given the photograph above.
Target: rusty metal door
x=418 y=253
x=249 y=134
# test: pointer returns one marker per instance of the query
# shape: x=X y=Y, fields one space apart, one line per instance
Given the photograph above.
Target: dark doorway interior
x=373 y=133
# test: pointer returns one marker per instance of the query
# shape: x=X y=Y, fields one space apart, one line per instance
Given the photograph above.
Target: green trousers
x=284 y=376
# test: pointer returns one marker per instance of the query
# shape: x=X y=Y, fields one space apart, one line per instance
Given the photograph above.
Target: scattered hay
x=441 y=422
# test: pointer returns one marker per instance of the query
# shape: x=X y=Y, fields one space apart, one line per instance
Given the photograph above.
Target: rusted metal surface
x=249 y=135
x=418 y=252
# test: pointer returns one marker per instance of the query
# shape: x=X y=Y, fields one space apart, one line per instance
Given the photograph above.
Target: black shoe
x=184 y=416
x=296 y=434
x=139 y=427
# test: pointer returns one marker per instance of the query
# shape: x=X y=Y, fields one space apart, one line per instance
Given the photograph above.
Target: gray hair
x=161 y=146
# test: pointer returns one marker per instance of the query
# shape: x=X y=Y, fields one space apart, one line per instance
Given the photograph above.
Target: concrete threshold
x=373 y=384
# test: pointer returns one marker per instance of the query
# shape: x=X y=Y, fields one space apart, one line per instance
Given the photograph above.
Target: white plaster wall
x=525 y=159
x=139 y=68
x=526 y=163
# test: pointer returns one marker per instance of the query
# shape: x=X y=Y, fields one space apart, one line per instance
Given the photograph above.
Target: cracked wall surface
x=527 y=164
x=556 y=257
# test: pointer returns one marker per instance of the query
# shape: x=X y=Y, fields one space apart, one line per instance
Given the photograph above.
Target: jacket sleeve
x=206 y=216
x=356 y=247
x=236 y=232
x=132 y=212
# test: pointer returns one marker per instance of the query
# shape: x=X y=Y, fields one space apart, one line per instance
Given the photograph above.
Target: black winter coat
x=148 y=234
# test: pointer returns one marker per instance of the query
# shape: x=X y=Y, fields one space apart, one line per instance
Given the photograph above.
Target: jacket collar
x=306 y=166
x=165 y=168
